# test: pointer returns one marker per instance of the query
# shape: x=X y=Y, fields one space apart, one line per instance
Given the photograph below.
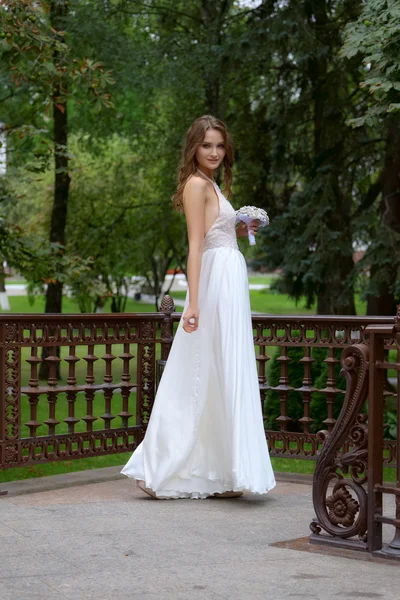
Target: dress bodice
x=222 y=232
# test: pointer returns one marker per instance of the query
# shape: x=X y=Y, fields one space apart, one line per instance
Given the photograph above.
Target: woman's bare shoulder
x=195 y=183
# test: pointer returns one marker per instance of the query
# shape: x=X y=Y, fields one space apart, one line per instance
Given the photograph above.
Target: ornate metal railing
x=73 y=417
x=102 y=378
x=294 y=432
x=110 y=365
x=348 y=487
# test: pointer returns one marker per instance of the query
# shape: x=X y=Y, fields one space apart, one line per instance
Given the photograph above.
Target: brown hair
x=188 y=165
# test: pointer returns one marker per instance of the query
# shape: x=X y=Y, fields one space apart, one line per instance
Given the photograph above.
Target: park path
x=106 y=541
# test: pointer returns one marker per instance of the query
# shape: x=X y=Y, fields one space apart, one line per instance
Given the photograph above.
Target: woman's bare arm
x=194 y=205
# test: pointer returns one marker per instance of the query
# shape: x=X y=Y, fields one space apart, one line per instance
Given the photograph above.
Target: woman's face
x=211 y=151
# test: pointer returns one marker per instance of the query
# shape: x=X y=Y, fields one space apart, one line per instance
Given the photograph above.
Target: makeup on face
x=211 y=152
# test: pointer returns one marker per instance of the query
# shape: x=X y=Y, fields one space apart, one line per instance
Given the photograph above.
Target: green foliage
x=40 y=57
x=375 y=35
x=120 y=221
x=274 y=71
x=390 y=419
x=39 y=70
x=42 y=262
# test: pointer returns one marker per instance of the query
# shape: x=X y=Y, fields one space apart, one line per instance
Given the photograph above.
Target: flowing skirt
x=205 y=432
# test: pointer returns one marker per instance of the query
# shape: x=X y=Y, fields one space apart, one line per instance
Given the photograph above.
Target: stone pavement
x=108 y=541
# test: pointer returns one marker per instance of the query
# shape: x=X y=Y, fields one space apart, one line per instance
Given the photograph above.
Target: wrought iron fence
x=348 y=486
x=102 y=379
x=110 y=364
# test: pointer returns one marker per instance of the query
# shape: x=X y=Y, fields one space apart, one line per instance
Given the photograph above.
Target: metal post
x=3 y=392
x=167 y=308
x=393 y=549
x=375 y=437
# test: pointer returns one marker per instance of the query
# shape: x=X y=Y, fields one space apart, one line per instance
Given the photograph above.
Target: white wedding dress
x=205 y=433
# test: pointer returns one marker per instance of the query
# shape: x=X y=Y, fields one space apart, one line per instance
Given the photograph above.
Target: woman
x=205 y=436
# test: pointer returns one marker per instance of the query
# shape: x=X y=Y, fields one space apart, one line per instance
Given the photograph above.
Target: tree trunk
x=384 y=303
x=58 y=12
x=4 y=303
x=213 y=14
x=2 y=277
x=336 y=297
x=391 y=176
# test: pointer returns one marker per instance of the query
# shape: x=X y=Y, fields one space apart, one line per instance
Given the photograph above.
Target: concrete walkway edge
x=65 y=480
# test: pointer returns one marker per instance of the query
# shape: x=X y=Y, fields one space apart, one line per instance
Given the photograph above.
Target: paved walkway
x=106 y=541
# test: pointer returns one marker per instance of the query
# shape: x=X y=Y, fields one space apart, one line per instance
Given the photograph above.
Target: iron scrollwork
x=343 y=514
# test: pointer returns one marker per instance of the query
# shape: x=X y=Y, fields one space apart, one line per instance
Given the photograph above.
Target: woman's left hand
x=242 y=229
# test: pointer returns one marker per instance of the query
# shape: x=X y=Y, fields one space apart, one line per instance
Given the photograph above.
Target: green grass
x=20 y=304
x=264 y=301
x=293 y=465
x=268 y=301
x=70 y=466
x=264 y=279
x=11 y=281
x=65 y=466
x=280 y=465
x=178 y=295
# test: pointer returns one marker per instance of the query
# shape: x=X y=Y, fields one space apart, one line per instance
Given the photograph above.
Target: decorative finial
x=167 y=305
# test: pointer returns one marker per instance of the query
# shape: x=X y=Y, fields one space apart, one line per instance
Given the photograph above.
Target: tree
x=375 y=36
x=120 y=221
x=41 y=65
x=40 y=61
x=312 y=172
x=39 y=261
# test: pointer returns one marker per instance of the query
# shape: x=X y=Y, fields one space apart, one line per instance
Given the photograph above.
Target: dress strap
x=208 y=178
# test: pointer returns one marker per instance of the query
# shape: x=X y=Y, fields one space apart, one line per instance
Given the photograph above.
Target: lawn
x=270 y=302
x=15 y=281
x=282 y=465
x=20 y=304
x=69 y=466
x=263 y=301
x=264 y=279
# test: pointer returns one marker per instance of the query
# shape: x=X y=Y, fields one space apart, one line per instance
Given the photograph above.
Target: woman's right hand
x=191 y=313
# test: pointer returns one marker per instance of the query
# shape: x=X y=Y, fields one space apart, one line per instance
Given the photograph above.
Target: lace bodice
x=222 y=232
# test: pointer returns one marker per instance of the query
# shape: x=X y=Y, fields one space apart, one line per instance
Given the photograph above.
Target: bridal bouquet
x=248 y=214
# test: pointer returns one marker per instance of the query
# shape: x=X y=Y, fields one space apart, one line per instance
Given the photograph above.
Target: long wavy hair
x=188 y=165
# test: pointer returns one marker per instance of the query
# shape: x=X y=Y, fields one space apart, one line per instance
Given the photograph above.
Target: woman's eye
x=206 y=145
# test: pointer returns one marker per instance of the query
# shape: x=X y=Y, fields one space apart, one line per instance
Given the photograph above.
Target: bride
x=205 y=436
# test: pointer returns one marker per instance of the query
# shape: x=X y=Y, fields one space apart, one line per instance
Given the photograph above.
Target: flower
x=342 y=507
x=247 y=214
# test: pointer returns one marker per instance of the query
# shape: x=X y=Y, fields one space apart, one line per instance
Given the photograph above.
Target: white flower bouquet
x=247 y=214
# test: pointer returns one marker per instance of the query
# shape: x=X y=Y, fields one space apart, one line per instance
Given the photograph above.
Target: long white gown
x=205 y=433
